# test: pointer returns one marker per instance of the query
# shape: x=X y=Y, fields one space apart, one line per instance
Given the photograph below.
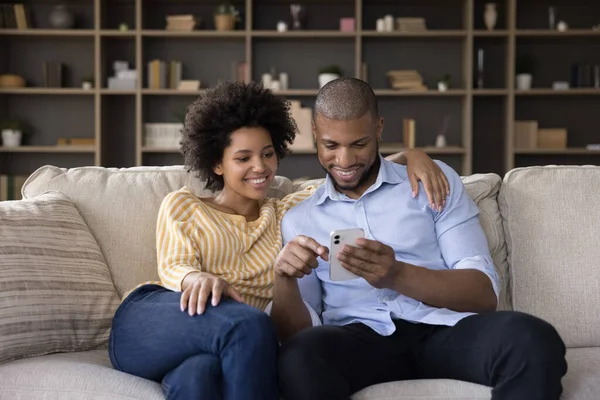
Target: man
x=424 y=303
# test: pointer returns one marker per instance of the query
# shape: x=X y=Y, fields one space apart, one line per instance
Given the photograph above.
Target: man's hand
x=195 y=295
x=299 y=257
x=373 y=261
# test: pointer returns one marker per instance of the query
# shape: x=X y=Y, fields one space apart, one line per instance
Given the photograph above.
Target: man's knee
x=302 y=352
x=532 y=336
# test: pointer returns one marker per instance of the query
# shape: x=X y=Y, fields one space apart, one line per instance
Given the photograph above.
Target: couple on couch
x=245 y=307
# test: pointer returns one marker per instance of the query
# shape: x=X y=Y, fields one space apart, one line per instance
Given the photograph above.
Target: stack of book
x=15 y=16
x=53 y=73
x=406 y=80
x=164 y=76
x=411 y=24
x=10 y=187
x=181 y=23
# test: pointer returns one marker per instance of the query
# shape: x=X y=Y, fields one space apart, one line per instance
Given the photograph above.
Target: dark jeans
x=229 y=352
x=520 y=356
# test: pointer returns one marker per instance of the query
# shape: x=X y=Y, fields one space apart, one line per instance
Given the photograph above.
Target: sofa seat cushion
x=425 y=389
x=550 y=216
x=121 y=205
x=72 y=376
x=89 y=376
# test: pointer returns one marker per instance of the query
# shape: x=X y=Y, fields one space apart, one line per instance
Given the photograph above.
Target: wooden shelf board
x=147 y=149
x=490 y=92
x=171 y=92
x=49 y=32
x=548 y=32
x=553 y=92
x=118 y=92
x=567 y=151
x=400 y=93
x=117 y=33
x=297 y=92
x=388 y=148
x=197 y=33
x=441 y=33
x=302 y=34
x=486 y=33
x=49 y=91
x=48 y=149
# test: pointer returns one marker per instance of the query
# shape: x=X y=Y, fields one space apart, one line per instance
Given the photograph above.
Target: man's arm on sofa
x=469 y=283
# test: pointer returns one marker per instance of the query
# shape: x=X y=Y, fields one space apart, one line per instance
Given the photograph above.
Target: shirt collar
x=387 y=174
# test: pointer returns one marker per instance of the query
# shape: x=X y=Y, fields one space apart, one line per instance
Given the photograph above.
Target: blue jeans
x=229 y=352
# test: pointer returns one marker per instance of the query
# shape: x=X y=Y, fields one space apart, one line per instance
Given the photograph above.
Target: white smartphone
x=339 y=238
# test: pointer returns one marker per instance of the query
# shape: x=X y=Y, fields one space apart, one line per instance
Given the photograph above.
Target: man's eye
x=360 y=145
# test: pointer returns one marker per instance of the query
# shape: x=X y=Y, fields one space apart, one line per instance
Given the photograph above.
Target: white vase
x=490 y=16
x=11 y=138
x=524 y=81
x=442 y=86
x=324 y=79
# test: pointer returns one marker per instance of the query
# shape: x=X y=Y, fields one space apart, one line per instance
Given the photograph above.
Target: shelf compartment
x=48 y=149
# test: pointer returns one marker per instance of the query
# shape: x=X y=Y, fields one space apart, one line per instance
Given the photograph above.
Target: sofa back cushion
x=551 y=218
x=483 y=189
x=121 y=207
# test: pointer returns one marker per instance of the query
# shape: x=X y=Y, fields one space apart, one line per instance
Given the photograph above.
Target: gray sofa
x=541 y=224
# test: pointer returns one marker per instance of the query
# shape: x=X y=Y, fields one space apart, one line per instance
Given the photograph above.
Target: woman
x=202 y=330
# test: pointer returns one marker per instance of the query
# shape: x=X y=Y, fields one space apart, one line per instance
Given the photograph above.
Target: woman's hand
x=198 y=286
x=420 y=167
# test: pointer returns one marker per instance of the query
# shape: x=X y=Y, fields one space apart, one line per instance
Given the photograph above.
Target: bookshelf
x=480 y=121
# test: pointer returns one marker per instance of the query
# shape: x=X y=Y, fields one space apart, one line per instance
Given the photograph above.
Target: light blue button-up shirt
x=387 y=212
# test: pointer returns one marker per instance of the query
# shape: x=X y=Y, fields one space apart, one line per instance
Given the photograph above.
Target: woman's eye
x=242 y=159
x=269 y=155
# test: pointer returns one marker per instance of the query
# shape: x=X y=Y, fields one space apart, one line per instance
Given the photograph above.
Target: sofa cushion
x=550 y=217
x=73 y=376
x=483 y=189
x=56 y=293
x=121 y=207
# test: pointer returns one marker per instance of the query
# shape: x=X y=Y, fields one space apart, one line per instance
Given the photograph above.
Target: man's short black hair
x=346 y=98
x=214 y=116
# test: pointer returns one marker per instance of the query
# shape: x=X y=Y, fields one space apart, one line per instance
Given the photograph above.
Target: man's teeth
x=257 y=181
x=346 y=173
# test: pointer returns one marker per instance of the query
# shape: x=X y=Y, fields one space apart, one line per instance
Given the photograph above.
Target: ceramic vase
x=60 y=18
x=490 y=16
x=11 y=137
x=324 y=79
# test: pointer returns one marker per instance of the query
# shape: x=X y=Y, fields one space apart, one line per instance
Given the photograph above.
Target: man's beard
x=363 y=178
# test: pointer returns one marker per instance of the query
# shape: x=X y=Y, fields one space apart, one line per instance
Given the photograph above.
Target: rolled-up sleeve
x=461 y=238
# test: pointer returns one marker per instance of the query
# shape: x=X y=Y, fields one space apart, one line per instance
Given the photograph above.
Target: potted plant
x=12 y=132
x=524 y=72
x=444 y=83
x=226 y=15
x=87 y=82
x=328 y=74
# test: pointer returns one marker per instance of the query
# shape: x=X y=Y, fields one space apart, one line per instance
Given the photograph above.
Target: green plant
x=88 y=78
x=12 y=124
x=446 y=79
x=226 y=8
x=524 y=64
x=331 y=69
x=180 y=115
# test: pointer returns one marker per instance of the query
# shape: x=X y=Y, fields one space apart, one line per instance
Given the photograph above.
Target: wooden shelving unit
x=479 y=122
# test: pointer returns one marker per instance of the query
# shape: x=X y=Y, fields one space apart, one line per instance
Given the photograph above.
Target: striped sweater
x=192 y=236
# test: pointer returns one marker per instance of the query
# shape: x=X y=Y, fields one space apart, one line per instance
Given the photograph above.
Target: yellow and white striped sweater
x=192 y=236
